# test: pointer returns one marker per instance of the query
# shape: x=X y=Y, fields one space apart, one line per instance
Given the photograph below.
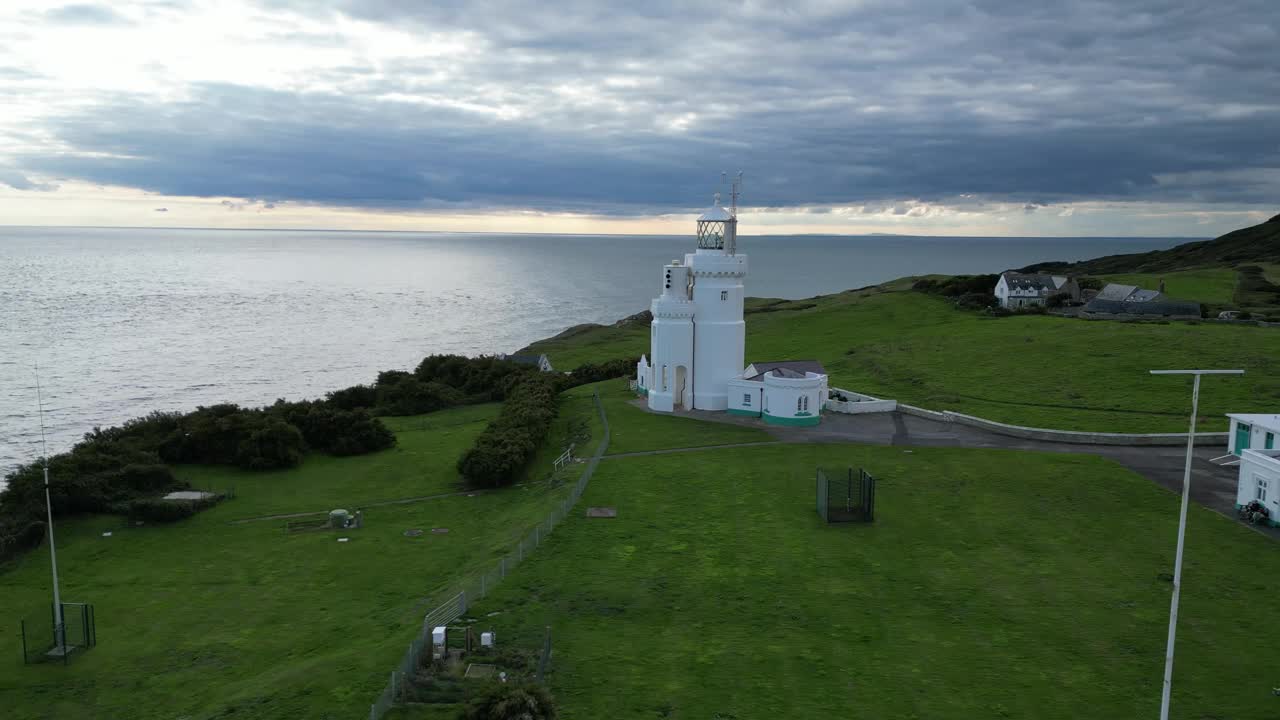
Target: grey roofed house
x=1127 y=293
x=788 y=368
x=1178 y=309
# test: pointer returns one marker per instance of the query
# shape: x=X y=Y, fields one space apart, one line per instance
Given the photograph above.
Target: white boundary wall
x=859 y=403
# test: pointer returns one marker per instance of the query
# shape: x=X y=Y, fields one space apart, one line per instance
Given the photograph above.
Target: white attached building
x=1253 y=439
x=1260 y=480
x=698 y=336
x=1257 y=431
x=790 y=392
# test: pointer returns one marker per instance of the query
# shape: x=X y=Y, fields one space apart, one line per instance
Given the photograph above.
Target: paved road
x=1212 y=486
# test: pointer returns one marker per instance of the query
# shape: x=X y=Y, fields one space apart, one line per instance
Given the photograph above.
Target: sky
x=934 y=117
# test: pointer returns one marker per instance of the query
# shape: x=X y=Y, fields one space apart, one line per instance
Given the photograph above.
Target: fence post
x=464 y=600
x=373 y=712
x=503 y=565
x=393 y=686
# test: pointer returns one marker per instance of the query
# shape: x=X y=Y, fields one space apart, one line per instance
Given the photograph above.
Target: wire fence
x=478 y=586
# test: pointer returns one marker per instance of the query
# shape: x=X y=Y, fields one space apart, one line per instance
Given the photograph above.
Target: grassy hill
x=205 y=618
x=993 y=584
x=1257 y=244
x=1034 y=370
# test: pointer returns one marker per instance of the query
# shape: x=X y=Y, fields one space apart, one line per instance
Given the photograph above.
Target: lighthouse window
x=724 y=295
x=746 y=398
x=664 y=377
x=799 y=404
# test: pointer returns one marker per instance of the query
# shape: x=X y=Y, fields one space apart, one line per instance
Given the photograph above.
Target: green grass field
x=1214 y=286
x=636 y=430
x=993 y=585
x=204 y=619
x=1033 y=370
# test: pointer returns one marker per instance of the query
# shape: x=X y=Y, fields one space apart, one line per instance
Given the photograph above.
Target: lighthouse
x=698 y=336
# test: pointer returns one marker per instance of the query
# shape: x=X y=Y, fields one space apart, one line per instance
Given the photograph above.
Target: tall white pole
x=59 y=628
x=1177 y=560
x=1182 y=528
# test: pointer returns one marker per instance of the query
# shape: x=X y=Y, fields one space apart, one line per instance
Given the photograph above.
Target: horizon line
x=570 y=234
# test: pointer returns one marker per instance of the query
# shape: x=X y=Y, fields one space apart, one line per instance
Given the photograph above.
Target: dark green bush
x=957 y=285
x=354 y=397
x=977 y=301
x=589 y=373
x=510 y=701
x=504 y=449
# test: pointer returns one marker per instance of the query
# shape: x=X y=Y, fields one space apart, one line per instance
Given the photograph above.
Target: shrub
x=504 y=448
x=1057 y=300
x=1255 y=513
x=510 y=701
x=977 y=301
x=1089 y=283
x=352 y=398
x=405 y=394
x=957 y=285
x=589 y=373
x=276 y=444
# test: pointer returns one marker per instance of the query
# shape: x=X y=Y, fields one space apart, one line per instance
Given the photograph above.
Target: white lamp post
x=59 y=626
x=1182 y=528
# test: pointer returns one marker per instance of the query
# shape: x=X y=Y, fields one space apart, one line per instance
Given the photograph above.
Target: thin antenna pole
x=1167 y=687
x=59 y=628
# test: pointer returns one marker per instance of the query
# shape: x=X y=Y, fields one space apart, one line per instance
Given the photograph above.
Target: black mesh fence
x=846 y=495
x=44 y=639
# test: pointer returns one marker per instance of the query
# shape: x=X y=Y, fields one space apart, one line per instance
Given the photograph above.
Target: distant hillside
x=1260 y=243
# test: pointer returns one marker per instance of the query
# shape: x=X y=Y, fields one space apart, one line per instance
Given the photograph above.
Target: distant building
x=1127 y=293
x=1149 y=309
x=1253 y=438
x=1015 y=290
x=542 y=362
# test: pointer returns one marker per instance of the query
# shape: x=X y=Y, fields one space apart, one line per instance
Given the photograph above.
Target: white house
x=698 y=338
x=1014 y=290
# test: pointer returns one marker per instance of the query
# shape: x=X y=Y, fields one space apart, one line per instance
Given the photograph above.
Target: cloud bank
x=635 y=108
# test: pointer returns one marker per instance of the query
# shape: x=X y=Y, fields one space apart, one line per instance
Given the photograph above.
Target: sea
x=123 y=321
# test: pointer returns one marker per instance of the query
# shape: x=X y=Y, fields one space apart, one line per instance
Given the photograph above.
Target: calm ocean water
x=125 y=321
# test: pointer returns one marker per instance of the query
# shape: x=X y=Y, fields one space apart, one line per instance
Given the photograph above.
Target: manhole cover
x=415 y=532
x=602 y=512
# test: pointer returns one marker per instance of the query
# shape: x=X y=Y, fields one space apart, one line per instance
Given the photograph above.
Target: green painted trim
x=744 y=413
x=792 y=421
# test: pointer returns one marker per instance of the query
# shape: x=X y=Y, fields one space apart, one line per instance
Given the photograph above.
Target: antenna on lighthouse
x=737 y=190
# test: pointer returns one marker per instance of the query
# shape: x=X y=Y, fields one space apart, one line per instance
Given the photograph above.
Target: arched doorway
x=677 y=397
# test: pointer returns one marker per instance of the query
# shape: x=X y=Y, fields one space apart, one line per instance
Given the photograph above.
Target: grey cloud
x=18 y=181
x=85 y=14
x=623 y=110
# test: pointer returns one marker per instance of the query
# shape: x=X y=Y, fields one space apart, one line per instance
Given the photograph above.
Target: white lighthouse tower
x=698 y=335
